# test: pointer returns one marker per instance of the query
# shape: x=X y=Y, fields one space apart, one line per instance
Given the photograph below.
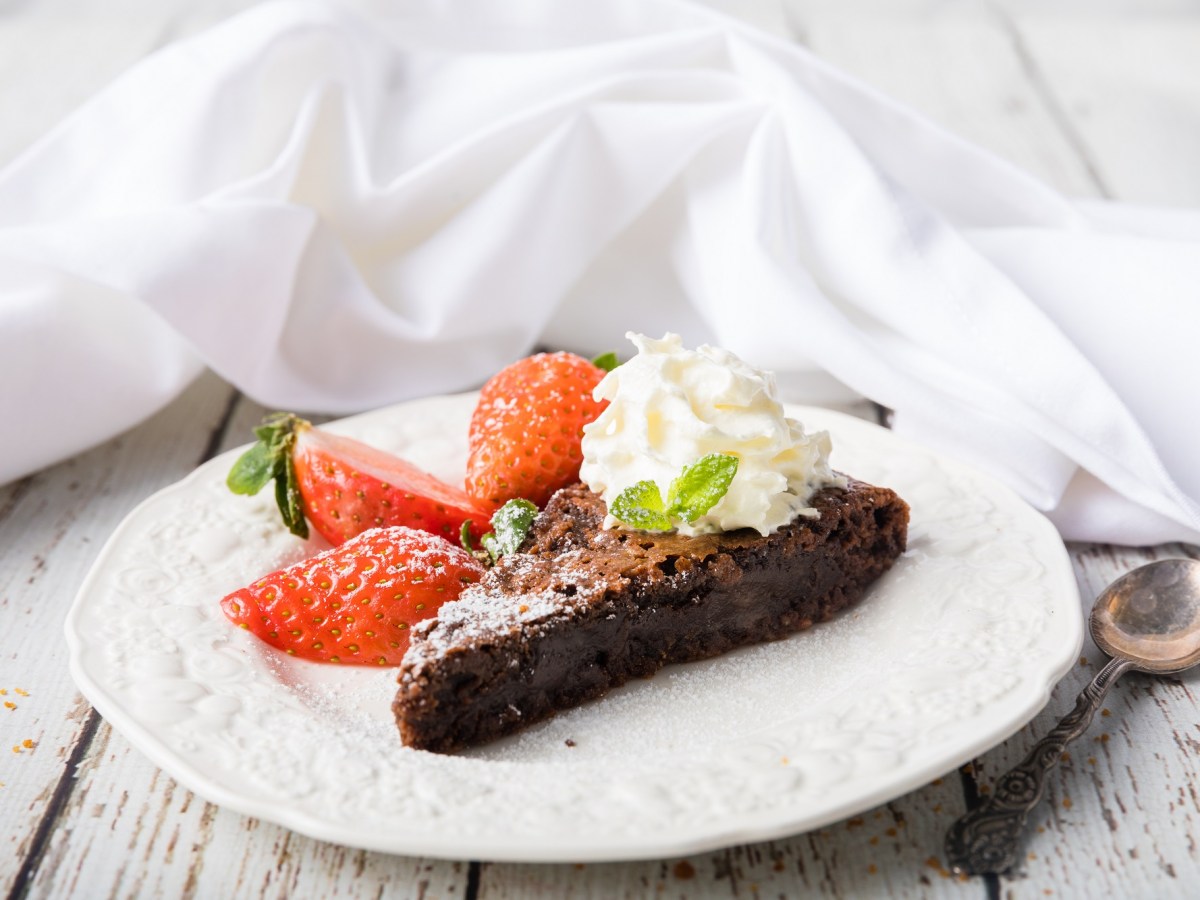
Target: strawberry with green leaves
x=526 y=431
x=357 y=602
x=344 y=487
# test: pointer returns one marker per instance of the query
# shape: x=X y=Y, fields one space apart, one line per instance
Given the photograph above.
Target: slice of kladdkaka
x=581 y=609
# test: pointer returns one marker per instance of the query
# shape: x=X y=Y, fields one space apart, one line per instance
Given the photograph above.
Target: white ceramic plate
x=950 y=653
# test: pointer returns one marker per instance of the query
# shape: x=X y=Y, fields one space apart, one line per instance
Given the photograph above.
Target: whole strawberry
x=355 y=603
x=344 y=487
x=527 y=427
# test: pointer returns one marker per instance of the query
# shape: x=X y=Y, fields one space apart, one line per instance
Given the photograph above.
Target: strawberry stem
x=464 y=536
x=271 y=458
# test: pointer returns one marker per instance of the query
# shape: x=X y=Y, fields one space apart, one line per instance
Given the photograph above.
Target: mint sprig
x=607 y=361
x=271 y=458
x=701 y=486
x=510 y=526
x=641 y=506
x=698 y=489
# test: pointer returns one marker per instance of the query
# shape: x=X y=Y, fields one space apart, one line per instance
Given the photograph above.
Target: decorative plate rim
x=727 y=825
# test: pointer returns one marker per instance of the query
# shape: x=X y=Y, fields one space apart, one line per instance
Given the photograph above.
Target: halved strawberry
x=344 y=487
x=355 y=603
x=527 y=427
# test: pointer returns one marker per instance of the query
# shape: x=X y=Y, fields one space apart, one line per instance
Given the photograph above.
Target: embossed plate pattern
x=950 y=653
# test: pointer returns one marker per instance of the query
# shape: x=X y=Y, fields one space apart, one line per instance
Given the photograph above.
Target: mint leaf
x=698 y=489
x=641 y=506
x=510 y=526
x=607 y=361
x=511 y=523
x=701 y=486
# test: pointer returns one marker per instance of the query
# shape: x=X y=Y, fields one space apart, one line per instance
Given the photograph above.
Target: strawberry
x=355 y=603
x=526 y=430
x=343 y=487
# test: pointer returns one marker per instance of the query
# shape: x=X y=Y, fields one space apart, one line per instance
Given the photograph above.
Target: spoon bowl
x=1151 y=617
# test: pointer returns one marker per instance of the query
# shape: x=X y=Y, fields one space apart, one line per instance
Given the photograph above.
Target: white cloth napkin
x=338 y=211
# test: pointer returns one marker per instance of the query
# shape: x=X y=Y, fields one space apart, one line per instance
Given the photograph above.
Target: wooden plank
x=160 y=819
x=1128 y=90
x=52 y=525
x=125 y=828
x=960 y=71
x=55 y=60
x=1118 y=815
x=882 y=853
x=996 y=99
x=54 y=57
x=130 y=830
x=1121 y=811
x=1065 y=95
x=219 y=853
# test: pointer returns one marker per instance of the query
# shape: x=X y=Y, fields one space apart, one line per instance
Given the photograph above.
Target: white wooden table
x=1099 y=99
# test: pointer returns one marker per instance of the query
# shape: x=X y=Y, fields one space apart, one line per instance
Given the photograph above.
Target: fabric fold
x=337 y=211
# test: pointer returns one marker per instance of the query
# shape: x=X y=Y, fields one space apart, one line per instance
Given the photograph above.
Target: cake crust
x=581 y=610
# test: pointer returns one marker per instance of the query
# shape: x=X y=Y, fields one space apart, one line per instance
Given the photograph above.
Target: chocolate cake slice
x=582 y=610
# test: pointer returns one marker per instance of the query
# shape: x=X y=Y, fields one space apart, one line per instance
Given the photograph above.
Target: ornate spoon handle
x=986 y=839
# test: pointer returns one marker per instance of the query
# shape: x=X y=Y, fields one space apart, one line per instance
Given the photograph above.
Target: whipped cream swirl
x=669 y=406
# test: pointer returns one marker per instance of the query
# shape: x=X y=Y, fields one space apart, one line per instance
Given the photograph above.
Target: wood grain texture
x=60 y=58
x=884 y=852
x=963 y=73
x=129 y=830
x=1114 y=81
x=1127 y=786
x=52 y=525
x=124 y=828
x=1082 y=102
x=1139 y=850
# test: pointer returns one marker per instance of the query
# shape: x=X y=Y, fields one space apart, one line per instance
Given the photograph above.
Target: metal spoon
x=1148 y=620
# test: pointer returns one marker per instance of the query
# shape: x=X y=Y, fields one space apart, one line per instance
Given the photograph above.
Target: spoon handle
x=986 y=839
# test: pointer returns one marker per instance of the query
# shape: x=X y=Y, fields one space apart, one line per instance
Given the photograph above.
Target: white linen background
x=336 y=213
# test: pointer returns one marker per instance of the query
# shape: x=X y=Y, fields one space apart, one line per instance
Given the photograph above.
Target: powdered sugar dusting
x=954 y=648
x=548 y=589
